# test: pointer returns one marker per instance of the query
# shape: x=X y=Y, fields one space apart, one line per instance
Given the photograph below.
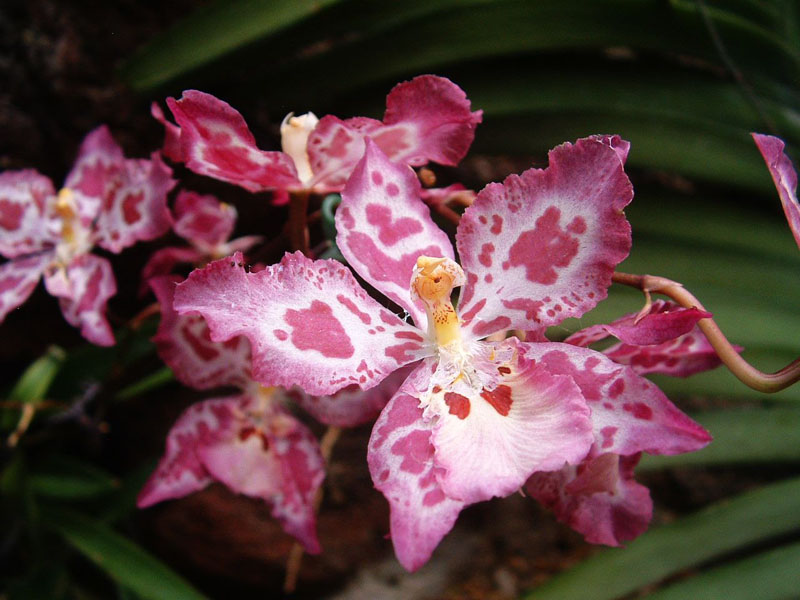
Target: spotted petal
x=598 y=498
x=629 y=413
x=427 y=119
x=784 y=176
x=18 y=279
x=665 y=321
x=494 y=427
x=135 y=204
x=184 y=344
x=542 y=246
x=180 y=471
x=172 y=135
x=216 y=142
x=99 y=157
x=276 y=458
x=83 y=289
x=402 y=464
x=383 y=226
x=23 y=226
x=202 y=219
x=309 y=322
x=684 y=356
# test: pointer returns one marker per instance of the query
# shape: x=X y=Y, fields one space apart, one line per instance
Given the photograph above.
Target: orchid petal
x=215 y=141
x=629 y=413
x=162 y=261
x=491 y=437
x=309 y=322
x=689 y=354
x=83 y=288
x=616 y=143
x=350 y=406
x=383 y=227
x=172 y=135
x=402 y=465
x=598 y=498
x=784 y=176
x=665 y=321
x=180 y=471
x=542 y=246
x=184 y=344
x=135 y=204
x=99 y=157
x=18 y=279
x=24 y=196
x=203 y=220
x=276 y=458
x=427 y=119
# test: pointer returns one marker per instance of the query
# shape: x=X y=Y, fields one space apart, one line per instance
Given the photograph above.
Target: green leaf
x=35 y=381
x=741 y=436
x=730 y=525
x=214 y=30
x=67 y=478
x=120 y=558
x=153 y=381
x=774 y=574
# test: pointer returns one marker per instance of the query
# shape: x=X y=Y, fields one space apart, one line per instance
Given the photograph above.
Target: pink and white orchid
x=784 y=176
x=249 y=441
x=204 y=222
x=426 y=119
x=664 y=340
x=475 y=419
x=107 y=201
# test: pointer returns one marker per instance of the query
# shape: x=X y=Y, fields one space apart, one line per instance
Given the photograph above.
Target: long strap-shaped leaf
x=724 y=527
x=772 y=575
x=120 y=558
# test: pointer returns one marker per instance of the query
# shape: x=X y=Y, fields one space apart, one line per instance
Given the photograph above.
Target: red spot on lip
x=316 y=328
x=487 y=327
x=499 y=398
x=503 y=370
x=457 y=404
x=280 y=334
x=485 y=257
x=577 y=225
x=377 y=178
x=616 y=388
x=497 y=224
x=608 y=436
x=543 y=248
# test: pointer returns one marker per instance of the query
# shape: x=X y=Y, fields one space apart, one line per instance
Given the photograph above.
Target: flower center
x=75 y=236
x=294 y=142
x=432 y=282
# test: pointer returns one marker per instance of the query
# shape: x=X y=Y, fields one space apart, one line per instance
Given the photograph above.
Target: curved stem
x=744 y=371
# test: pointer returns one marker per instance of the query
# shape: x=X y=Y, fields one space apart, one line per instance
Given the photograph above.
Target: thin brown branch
x=743 y=370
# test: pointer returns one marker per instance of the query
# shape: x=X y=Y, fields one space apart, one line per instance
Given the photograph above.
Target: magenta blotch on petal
x=542 y=246
x=202 y=219
x=309 y=322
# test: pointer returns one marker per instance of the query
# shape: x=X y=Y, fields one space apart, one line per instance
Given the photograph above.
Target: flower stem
x=744 y=371
x=298 y=221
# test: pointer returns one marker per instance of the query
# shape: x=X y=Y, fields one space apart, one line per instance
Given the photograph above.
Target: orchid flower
x=664 y=340
x=107 y=201
x=249 y=441
x=426 y=119
x=476 y=418
x=599 y=497
x=204 y=222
